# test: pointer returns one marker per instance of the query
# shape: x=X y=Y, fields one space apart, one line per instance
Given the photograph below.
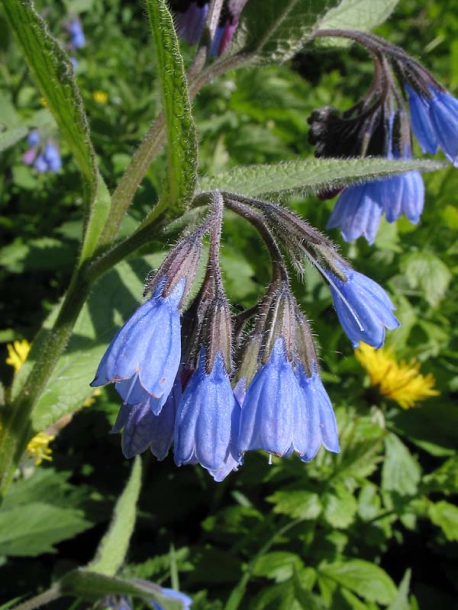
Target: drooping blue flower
x=41 y=164
x=142 y=428
x=272 y=409
x=317 y=424
x=175 y=595
x=420 y=119
x=77 y=39
x=364 y=309
x=207 y=420
x=403 y=194
x=147 y=348
x=435 y=121
x=52 y=157
x=358 y=211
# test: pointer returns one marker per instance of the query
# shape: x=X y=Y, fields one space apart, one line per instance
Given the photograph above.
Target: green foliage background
x=373 y=527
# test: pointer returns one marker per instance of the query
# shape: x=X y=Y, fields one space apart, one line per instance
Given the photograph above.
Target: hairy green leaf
x=363 y=578
x=112 y=549
x=181 y=131
x=362 y=15
x=311 y=175
x=284 y=28
x=92 y=587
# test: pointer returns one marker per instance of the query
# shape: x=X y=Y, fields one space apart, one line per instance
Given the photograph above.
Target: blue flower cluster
x=44 y=157
x=175 y=372
x=379 y=126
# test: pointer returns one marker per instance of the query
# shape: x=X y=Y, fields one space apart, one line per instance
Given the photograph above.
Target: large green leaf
x=363 y=578
x=34 y=528
x=11 y=136
x=284 y=27
x=401 y=472
x=298 y=504
x=445 y=515
x=311 y=175
x=112 y=549
x=362 y=15
x=340 y=507
x=426 y=271
x=53 y=72
x=181 y=131
x=113 y=300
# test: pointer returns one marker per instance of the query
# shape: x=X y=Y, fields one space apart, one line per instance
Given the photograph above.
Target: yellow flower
x=17 y=353
x=400 y=381
x=100 y=97
x=38 y=447
x=43 y=102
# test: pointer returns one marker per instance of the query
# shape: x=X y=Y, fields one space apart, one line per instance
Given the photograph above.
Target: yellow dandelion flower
x=399 y=381
x=100 y=97
x=17 y=353
x=43 y=102
x=39 y=449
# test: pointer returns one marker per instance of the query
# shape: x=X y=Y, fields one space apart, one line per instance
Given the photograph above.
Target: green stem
x=47 y=348
x=239 y=591
x=40 y=600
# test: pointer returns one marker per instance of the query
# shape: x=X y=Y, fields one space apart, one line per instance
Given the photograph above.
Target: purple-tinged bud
x=29 y=156
x=364 y=309
x=217 y=333
x=189 y=20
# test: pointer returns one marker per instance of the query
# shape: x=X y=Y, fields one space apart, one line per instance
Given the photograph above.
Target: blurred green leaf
x=32 y=529
x=111 y=552
x=297 y=504
x=400 y=472
x=181 y=131
x=340 y=507
x=278 y=565
x=363 y=578
x=11 y=136
x=445 y=515
x=426 y=271
x=401 y=601
x=306 y=176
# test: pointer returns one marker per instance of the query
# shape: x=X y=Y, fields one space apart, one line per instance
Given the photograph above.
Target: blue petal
x=357 y=212
x=444 y=117
x=205 y=416
x=271 y=405
x=164 y=424
x=189 y=24
x=422 y=125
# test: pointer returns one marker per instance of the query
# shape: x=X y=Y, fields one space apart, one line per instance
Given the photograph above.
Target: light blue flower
x=317 y=424
x=146 y=349
x=403 y=194
x=272 y=409
x=207 y=419
x=33 y=139
x=435 y=121
x=52 y=157
x=77 y=39
x=364 y=309
x=422 y=126
x=358 y=211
